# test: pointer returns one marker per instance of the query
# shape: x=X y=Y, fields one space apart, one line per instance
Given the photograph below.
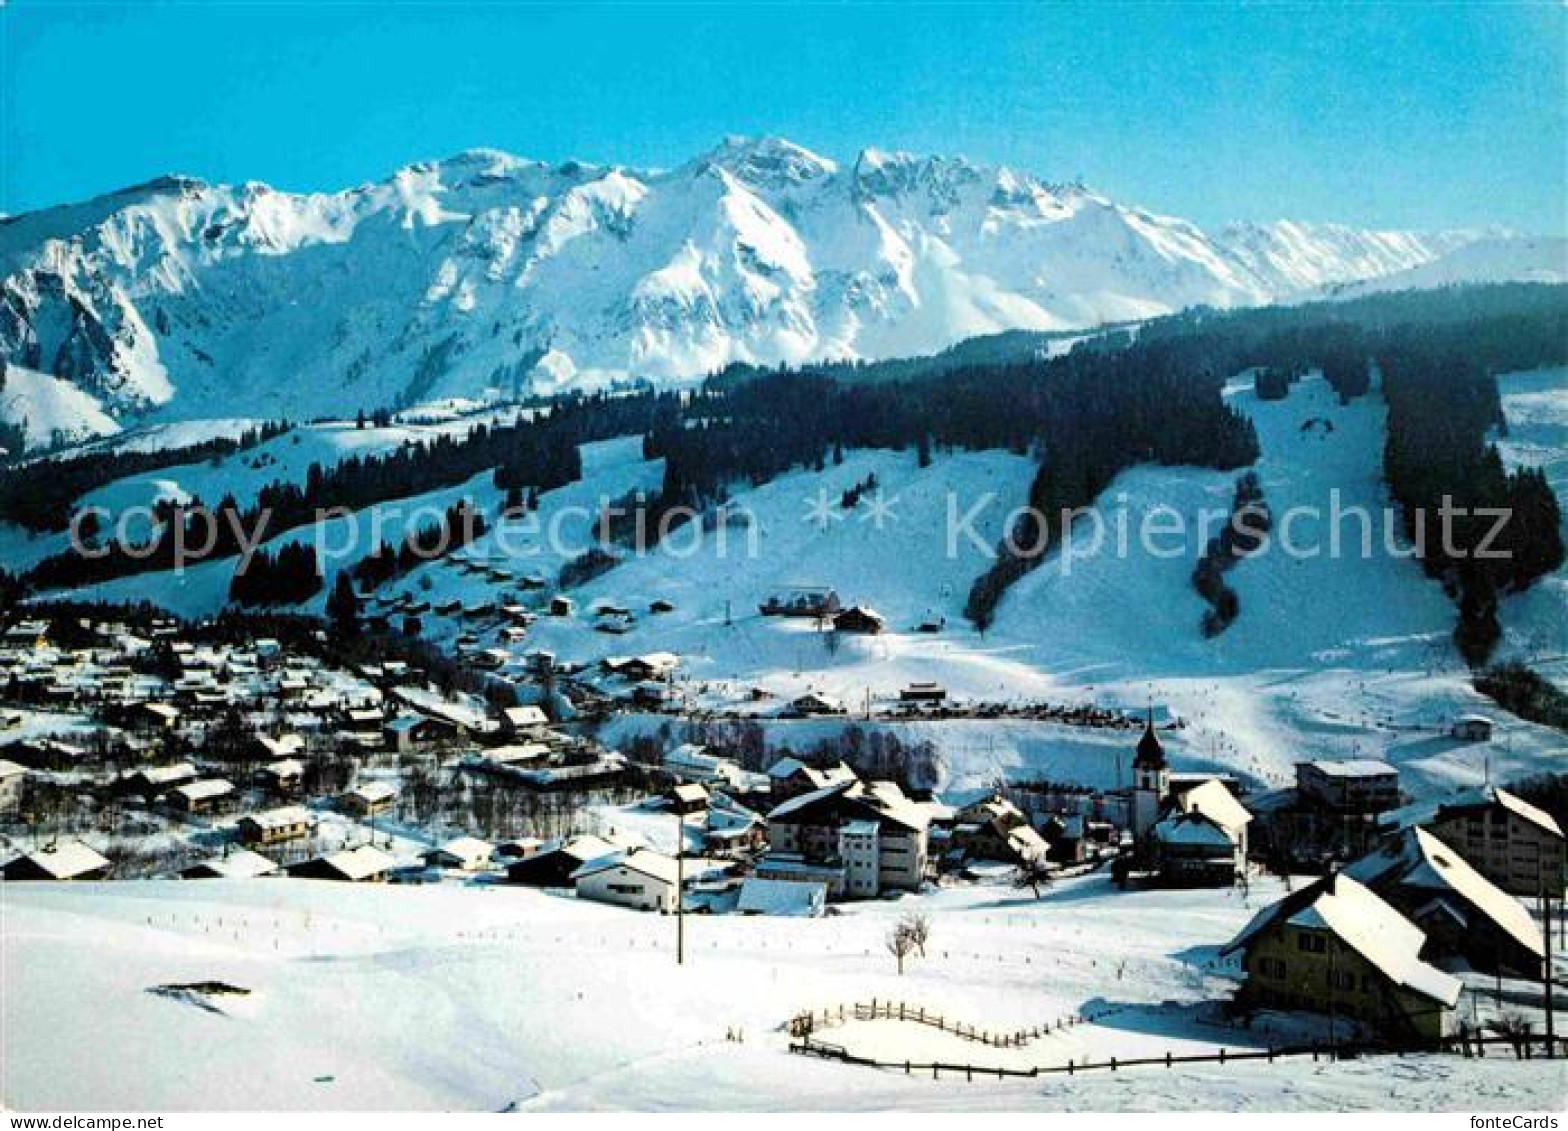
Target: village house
x=993 y=828
x=1352 y=786
x=1462 y=912
x=815 y=601
x=1517 y=846
x=149 y=781
x=159 y=716
x=524 y=722
x=283 y=777
x=411 y=732
x=271 y=748
x=49 y=754
x=368 y=799
x=923 y=692
x=694 y=763
x=870 y=838
x=1471 y=728
x=860 y=620
x=62 y=860
x=1336 y=948
x=1202 y=837
x=273 y=826
x=365 y=864
x=790 y=777
x=686 y=799
x=239 y=864
x=207 y=796
x=464 y=854
x=639 y=878
x=815 y=703
x=13 y=780
x=554 y=863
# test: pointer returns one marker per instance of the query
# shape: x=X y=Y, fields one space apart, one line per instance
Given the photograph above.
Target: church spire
x=1151 y=753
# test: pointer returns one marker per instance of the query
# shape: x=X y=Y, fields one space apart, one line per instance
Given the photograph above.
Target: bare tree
x=917 y=925
x=900 y=943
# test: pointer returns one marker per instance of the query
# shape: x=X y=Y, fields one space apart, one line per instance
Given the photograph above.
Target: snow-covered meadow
x=484 y=997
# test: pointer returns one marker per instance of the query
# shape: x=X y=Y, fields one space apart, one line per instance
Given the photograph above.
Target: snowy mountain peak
x=453 y=278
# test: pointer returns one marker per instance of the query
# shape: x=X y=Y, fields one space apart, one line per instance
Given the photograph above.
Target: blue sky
x=1411 y=115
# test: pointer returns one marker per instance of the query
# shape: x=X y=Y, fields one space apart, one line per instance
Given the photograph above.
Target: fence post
x=969 y=1072
x=1167 y=1058
x=1069 y=1067
x=1222 y=1056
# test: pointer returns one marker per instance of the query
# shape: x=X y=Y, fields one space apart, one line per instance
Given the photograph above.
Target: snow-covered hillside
x=486 y=274
x=487 y=998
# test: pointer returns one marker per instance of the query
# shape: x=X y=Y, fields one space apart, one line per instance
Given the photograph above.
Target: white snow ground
x=477 y=997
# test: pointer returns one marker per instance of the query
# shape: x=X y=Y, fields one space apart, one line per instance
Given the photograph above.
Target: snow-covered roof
x=1216 y=804
x=1416 y=859
x=359 y=863
x=467 y=848
x=373 y=791
x=1476 y=797
x=164 y=775
x=654 y=865
x=530 y=716
x=9 y=769
x=205 y=790
x=1354 y=768
x=282 y=817
x=762 y=896
x=1367 y=924
x=284 y=768
x=795 y=804
x=67 y=859
x=240 y=864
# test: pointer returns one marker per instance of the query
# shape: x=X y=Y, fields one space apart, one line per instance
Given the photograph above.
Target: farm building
x=638 y=878
x=275 y=825
x=363 y=865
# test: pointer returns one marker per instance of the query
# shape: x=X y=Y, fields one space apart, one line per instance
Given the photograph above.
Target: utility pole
x=680 y=889
x=1546 y=971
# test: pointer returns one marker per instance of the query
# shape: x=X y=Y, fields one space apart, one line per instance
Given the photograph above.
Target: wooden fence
x=802 y=1029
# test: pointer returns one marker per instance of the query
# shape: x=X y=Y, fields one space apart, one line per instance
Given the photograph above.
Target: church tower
x=1151 y=781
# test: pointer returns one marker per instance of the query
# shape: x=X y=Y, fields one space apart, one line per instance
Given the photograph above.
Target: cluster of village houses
x=1408 y=894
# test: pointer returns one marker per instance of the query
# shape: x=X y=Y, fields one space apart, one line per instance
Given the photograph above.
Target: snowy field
x=475 y=997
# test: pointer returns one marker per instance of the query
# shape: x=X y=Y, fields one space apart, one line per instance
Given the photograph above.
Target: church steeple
x=1151 y=753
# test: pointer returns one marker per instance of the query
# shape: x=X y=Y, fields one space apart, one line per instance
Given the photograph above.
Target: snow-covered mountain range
x=486 y=274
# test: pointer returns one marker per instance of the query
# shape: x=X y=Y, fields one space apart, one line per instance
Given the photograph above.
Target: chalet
x=271 y=748
x=150 y=781
x=687 y=799
x=790 y=777
x=815 y=703
x=1471 y=728
x=813 y=601
x=369 y=799
x=240 y=864
x=691 y=762
x=284 y=776
x=363 y=865
x=651 y=665
x=49 y=754
x=1335 y=947
x=554 y=863
x=10 y=720
x=1202 y=837
x=13 y=778
x=562 y=606
x=638 y=878
x=273 y=826
x=464 y=853
x=519 y=849
x=411 y=732
x=995 y=829
x=1463 y=913
x=1509 y=841
x=872 y=837
x=859 y=619
x=206 y=796
x=923 y=692
x=659 y=605
x=524 y=721
x=63 y=860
